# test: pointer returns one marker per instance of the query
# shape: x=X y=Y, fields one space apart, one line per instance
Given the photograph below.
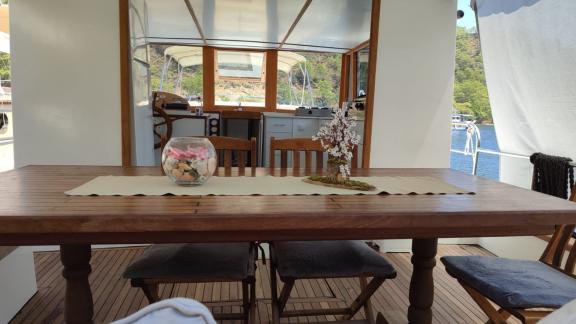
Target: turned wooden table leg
x=78 y=307
x=422 y=282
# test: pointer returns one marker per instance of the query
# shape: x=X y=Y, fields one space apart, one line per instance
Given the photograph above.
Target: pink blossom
x=191 y=153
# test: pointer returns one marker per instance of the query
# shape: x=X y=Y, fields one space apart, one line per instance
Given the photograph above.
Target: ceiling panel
x=327 y=25
x=302 y=48
x=170 y=19
x=241 y=44
x=333 y=23
x=246 y=20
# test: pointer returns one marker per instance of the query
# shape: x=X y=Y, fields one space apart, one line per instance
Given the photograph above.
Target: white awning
x=4 y=43
x=187 y=56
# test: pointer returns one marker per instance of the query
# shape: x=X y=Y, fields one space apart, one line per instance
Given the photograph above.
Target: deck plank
x=114 y=298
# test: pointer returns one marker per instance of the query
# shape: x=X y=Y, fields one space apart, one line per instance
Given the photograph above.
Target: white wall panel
x=66 y=82
x=414 y=84
x=17 y=282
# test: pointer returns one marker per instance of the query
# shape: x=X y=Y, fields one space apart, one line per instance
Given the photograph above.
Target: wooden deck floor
x=114 y=298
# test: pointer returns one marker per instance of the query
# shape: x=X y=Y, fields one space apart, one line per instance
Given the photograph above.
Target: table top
x=35 y=210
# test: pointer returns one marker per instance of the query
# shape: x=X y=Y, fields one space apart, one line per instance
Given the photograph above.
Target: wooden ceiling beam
x=193 y=15
x=300 y=14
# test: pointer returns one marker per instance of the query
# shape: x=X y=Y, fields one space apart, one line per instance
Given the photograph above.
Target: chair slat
x=308 y=160
x=227 y=158
x=253 y=156
x=296 y=158
x=571 y=261
x=241 y=159
x=284 y=159
x=319 y=160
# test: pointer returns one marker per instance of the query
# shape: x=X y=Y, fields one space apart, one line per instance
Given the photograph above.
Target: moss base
x=343 y=184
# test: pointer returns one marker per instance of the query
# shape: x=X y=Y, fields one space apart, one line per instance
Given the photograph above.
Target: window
x=239 y=78
x=178 y=70
x=308 y=79
x=362 y=73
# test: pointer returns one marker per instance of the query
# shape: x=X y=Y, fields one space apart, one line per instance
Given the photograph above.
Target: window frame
x=210 y=69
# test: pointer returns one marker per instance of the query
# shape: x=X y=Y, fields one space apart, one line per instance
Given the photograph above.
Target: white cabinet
x=286 y=126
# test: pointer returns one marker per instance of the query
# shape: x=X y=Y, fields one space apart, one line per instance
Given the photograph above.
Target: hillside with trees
x=323 y=69
x=470 y=92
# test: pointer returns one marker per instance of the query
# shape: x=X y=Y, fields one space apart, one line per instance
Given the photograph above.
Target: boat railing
x=473 y=148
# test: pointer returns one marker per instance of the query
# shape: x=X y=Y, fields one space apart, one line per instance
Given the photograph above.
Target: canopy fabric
x=4 y=19
x=187 y=56
x=287 y=60
x=4 y=43
x=529 y=51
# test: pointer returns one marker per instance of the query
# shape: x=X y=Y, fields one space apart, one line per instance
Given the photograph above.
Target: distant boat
x=461 y=121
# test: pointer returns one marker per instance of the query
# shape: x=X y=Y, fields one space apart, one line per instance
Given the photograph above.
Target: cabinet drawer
x=278 y=125
x=304 y=128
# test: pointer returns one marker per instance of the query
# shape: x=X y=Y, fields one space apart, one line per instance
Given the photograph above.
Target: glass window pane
x=308 y=79
x=178 y=70
x=240 y=78
x=362 y=73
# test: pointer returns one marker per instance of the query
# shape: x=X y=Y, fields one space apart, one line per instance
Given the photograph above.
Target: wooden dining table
x=34 y=210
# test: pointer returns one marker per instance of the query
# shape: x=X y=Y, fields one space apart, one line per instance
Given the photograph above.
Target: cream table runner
x=266 y=185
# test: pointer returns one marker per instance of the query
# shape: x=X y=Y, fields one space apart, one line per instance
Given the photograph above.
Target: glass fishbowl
x=189 y=161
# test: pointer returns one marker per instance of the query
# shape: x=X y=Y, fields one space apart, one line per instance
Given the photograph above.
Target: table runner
x=266 y=185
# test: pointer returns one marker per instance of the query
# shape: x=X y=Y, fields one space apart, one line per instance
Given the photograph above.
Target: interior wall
x=414 y=84
x=66 y=82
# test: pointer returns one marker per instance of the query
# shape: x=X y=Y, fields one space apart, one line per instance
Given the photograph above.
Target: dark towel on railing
x=553 y=175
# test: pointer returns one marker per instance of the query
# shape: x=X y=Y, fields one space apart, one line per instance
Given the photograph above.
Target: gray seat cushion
x=201 y=261
x=329 y=259
x=513 y=283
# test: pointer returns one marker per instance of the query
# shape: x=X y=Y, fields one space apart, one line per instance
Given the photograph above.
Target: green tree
x=470 y=92
x=4 y=66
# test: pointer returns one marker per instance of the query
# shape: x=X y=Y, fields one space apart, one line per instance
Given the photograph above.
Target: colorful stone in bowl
x=189 y=161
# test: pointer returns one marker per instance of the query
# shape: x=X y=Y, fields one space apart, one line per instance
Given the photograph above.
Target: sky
x=468 y=20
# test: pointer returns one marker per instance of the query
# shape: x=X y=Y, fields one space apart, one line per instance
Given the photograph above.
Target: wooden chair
x=528 y=290
x=298 y=145
x=243 y=149
x=162 y=128
x=203 y=262
x=291 y=261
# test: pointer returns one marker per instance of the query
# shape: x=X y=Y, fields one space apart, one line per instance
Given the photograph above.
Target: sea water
x=488 y=164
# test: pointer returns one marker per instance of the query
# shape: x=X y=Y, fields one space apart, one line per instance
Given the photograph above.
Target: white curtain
x=529 y=50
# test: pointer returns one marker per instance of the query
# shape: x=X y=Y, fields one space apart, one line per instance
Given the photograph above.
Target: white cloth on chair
x=173 y=311
x=564 y=315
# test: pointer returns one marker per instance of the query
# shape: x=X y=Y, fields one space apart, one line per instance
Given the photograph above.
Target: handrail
x=492 y=152
x=474 y=150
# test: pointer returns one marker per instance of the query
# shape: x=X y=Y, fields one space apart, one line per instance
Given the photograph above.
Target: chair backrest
x=559 y=244
x=160 y=99
x=297 y=146
x=242 y=147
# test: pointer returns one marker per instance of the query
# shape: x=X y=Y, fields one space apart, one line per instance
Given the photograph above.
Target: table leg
x=422 y=282
x=78 y=306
